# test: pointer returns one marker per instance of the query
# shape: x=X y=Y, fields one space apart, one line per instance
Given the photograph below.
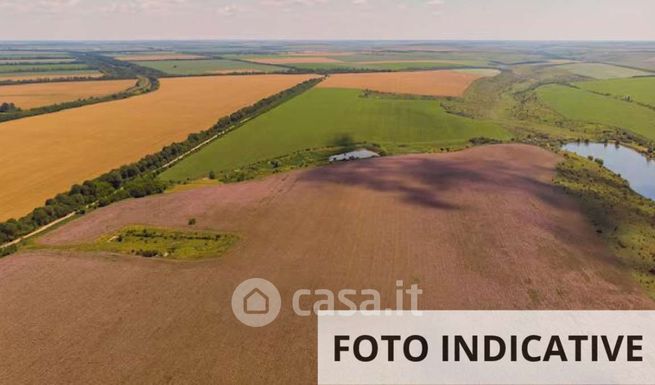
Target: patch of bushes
x=483 y=140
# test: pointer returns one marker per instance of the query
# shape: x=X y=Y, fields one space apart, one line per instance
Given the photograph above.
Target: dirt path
x=478 y=229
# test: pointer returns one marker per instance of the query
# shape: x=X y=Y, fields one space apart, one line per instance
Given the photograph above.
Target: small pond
x=631 y=165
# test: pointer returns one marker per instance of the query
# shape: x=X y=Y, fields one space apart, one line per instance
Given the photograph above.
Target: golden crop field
x=46 y=154
x=429 y=83
x=50 y=75
x=28 y=96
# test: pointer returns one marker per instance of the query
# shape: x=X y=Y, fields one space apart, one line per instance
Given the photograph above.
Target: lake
x=631 y=165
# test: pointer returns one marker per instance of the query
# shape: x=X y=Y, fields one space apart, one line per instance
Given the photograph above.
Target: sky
x=327 y=19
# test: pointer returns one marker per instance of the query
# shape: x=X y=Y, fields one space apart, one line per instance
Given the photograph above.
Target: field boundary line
x=38 y=231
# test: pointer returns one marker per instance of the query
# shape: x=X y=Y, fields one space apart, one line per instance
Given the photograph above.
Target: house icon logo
x=256 y=302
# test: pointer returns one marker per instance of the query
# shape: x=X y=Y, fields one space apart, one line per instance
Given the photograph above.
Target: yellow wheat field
x=50 y=75
x=28 y=96
x=429 y=83
x=44 y=155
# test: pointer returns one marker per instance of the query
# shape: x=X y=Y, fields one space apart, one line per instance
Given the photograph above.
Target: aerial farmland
x=143 y=181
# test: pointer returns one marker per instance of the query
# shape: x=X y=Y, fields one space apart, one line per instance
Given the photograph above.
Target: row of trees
x=8 y=107
x=143 y=86
x=137 y=179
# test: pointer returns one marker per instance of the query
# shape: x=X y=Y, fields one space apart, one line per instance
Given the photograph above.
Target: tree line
x=137 y=179
x=143 y=85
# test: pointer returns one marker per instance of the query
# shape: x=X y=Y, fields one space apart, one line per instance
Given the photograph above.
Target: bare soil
x=478 y=229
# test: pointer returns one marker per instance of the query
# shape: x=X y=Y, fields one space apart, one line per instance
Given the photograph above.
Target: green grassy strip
x=152 y=242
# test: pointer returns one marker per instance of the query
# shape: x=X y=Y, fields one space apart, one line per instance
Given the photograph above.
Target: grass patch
x=621 y=216
x=323 y=118
x=200 y=67
x=641 y=90
x=602 y=71
x=586 y=106
x=153 y=242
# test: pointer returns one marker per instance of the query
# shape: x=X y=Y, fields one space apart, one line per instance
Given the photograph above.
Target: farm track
x=75 y=318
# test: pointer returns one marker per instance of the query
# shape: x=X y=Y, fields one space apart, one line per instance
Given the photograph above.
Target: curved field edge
x=28 y=96
x=142 y=86
x=323 y=117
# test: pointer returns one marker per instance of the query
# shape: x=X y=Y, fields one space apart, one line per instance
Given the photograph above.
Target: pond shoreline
x=632 y=165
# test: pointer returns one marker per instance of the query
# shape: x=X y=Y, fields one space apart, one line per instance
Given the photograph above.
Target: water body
x=631 y=165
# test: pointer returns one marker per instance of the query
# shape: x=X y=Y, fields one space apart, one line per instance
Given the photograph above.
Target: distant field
x=50 y=75
x=34 y=61
x=602 y=71
x=321 y=117
x=431 y=83
x=210 y=66
x=157 y=56
x=581 y=105
x=28 y=96
x=44 y=155
x=294 y=60
x=382 y=66
x=639 y=89
x=31 y=54
x=9 y=68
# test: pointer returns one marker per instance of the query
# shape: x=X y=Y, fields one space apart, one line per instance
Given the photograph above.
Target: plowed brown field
x=477 y=229
x=45 y=155
x=28 y=96
x=429 y=83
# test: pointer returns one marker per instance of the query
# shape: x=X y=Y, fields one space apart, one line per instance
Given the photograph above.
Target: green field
x=20 y=54
x=602 y=71
x=12 y=68
x=201 y=66
x=328 y=117
x=582 y=105
x=641 y=89
x=153 y=242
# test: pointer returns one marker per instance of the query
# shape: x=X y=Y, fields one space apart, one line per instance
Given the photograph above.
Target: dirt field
x=431 y=83
x=45 y=155
x=155 y=57
x=295 y=60
x=479 y=229
x=28 y=96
